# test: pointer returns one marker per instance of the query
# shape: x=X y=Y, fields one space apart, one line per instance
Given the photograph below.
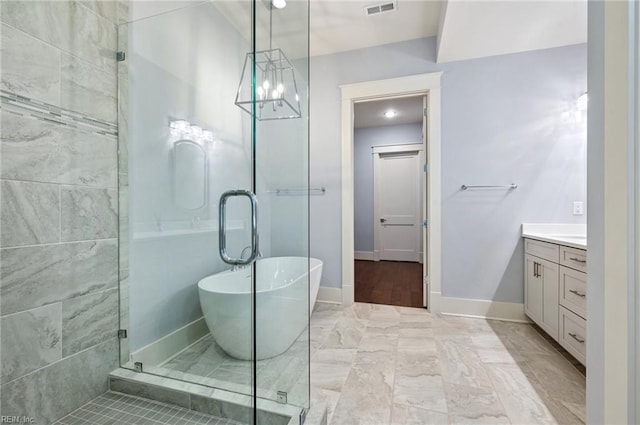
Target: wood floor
x=389 y=282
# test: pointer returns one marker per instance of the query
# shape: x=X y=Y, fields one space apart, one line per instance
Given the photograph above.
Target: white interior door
x=397 y=175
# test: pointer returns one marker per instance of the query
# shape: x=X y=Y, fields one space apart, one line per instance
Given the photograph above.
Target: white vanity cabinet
x=555 y=292
x=541 y=285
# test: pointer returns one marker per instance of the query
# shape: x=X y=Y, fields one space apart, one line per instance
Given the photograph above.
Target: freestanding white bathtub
x=282 y=312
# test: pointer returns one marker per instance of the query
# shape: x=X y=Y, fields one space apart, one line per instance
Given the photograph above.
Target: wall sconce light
x=184 y=130
x=583 y=102
x=581 y=107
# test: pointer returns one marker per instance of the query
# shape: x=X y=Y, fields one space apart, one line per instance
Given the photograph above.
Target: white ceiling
x=473 y=29
x=466 y=29
x=335 y=25
x=338 y=26
x=371 y=114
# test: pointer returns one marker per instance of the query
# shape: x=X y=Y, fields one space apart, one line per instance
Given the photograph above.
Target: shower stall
x=213 y=200
x=154 y=211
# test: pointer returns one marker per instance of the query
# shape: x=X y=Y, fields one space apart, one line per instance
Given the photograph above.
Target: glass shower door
x=213 y=178
x=183 y=144
x=282 y=184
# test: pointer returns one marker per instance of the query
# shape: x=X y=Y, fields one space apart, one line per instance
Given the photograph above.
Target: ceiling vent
x=381 y=8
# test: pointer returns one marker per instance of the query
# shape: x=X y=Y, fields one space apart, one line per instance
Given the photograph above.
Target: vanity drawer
x=573 y=290
x=573 y=334
x=574 y=258
x=544 y=250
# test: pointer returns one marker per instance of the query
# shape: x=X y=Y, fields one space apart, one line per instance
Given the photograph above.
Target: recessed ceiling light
x=390 y=114
x=279 y=4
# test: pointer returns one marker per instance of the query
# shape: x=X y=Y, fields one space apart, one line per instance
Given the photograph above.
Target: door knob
x=382 y=220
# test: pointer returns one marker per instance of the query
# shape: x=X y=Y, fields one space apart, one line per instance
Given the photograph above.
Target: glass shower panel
x=282 y=185
x=183 y=143
x=214 y=196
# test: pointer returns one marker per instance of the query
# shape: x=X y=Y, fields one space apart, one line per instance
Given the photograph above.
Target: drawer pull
x=574 y=336
x=580 y=294
x=577 y=260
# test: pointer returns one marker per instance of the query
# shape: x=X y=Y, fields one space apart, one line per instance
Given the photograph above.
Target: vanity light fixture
x=276 y=92
x=390 y=114
x=184 y=130
x=583 y=102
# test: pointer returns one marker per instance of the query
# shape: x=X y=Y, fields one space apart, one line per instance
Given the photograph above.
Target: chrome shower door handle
x=222 y=227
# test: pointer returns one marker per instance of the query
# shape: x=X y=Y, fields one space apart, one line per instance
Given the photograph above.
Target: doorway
x=421 y=84
x=389 y=181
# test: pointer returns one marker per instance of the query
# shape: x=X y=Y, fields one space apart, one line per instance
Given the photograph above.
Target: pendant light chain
x=270 y=25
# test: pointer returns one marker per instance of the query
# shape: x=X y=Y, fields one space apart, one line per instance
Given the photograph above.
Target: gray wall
x=59 y=280
x=504 y=119
x=364 y=139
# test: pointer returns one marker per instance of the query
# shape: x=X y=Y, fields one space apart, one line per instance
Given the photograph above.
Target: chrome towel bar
x=293 y=192
x=504 y=186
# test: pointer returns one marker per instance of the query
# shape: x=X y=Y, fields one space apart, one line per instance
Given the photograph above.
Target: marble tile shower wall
x=59 y=205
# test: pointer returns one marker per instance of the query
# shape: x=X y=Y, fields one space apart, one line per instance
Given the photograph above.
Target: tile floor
x=207 y=364
x=383 y=365
x=399 y=365
x=120 y=409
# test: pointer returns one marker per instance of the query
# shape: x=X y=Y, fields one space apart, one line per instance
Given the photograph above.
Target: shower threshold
x=218 y=403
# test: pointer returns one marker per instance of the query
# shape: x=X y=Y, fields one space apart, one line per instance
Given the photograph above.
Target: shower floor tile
x=120 y=409
x=207 y=364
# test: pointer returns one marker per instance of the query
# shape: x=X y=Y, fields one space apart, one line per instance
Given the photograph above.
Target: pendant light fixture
x=276 y=93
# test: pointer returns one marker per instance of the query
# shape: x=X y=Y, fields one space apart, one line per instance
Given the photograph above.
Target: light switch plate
x=578 y=208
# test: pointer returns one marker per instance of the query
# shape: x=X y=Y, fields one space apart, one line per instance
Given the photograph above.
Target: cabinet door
x=533 y=289
x=573 y=334
x=550 y=288
x=541 y=286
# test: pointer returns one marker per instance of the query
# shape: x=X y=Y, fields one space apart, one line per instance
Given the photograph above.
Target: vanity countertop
x=572 y=235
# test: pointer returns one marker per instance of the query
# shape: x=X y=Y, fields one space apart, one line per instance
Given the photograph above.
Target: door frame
x=414 y=85
x=634 y=261
x=377 y=150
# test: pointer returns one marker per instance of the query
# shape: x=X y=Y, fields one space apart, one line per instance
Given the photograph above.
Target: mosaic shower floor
x=120 y=409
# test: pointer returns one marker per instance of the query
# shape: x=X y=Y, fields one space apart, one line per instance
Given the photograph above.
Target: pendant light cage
x=276 y=91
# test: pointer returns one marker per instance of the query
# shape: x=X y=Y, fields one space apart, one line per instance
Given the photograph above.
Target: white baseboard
x=170 y=345
x=348 y=294
x=511 y=312
x=330 y=295
x=363 y=255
